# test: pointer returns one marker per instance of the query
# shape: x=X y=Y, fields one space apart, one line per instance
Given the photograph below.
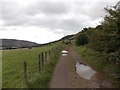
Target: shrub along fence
x=43 y=58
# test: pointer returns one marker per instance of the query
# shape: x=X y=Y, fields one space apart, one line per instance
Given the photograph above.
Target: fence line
x=42 y=58
x=39 y=63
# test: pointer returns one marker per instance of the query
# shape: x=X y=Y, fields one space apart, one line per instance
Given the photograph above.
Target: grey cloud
x=94 y=10
x=16 y=15
x=47 y=8
x=70 y=24
x=53 y=23
x=10 y=11
x=12 y=14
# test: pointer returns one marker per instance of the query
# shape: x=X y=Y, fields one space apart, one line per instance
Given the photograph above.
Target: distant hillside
x=68 y=37
x=13 y=43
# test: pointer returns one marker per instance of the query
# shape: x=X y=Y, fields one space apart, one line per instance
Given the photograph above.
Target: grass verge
x=97 y=60
x=42 y=79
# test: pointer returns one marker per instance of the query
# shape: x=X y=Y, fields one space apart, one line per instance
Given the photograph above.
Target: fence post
x=25 y=71
x=52 y=50
x=49 y=52
x=39 y=64
x=42 y=55
x=46 y=55
x=56 y=49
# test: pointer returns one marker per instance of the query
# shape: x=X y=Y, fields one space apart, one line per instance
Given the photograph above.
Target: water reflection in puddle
x=64 y=53
x=84 y=71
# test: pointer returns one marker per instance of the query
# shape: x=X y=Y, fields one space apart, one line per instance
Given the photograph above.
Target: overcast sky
x=43 y=21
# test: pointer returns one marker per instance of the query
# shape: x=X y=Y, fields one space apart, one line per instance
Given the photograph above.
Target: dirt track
x=65 y=76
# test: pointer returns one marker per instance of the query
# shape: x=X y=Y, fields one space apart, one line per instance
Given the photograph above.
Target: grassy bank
x=97 y=60
x=12 y=65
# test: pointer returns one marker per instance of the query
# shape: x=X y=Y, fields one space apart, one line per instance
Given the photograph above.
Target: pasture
x=12 y=65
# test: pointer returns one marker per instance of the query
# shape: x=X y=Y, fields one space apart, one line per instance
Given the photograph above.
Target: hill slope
x=13 y=43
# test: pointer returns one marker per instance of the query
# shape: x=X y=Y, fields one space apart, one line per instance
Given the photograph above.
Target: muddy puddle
x=64 y=53
x=84 y=71
x=96 y=78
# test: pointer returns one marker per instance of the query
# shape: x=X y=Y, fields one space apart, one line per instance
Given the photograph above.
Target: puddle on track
x=96 y=78
x=84 y=71
x=64 y=53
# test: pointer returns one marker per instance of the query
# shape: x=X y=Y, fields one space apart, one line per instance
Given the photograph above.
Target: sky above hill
x=43 y=21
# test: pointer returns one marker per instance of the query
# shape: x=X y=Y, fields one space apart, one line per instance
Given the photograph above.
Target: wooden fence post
x=42 y=55
x=46 y=55
x=49 y=52
x=25 y=71
x=39 y=64
x=56 y=49
x=52 y=50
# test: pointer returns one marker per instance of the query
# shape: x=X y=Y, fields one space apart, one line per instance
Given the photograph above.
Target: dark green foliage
x=82 y=39
x=105 y=38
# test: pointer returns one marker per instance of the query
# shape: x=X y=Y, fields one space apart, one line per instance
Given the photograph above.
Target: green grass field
x=12 y=65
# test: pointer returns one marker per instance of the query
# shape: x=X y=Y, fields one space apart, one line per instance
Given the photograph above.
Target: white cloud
x=1 y=22
x=39 y=35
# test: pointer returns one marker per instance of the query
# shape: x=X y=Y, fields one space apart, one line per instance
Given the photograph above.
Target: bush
x=82 y=39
